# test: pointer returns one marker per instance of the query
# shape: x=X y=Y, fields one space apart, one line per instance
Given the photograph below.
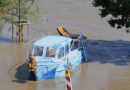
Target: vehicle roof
x=53 y=41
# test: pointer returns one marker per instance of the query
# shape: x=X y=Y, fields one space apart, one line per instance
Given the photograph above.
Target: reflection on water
x=4 y=39
x=114 y=52
x=21 y=74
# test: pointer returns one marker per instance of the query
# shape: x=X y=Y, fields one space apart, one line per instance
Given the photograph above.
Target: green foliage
x=4 y=3
x=11 y=9
x=119 y=10
x=1 y=26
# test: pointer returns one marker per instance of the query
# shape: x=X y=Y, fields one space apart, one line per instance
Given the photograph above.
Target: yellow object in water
x=67 y=74
x=32 y=66
x=62 y=31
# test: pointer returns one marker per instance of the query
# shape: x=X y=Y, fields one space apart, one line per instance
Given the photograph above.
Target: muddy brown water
x=108 y=50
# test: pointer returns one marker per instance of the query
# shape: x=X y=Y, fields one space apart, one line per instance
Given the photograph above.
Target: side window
x=66 y=49
x=61 y=52
x=50 y=52
x=38 y=51
x=73 y=45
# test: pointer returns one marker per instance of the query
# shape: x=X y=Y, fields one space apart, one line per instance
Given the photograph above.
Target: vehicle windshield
x=50 y=52
x=38 y=51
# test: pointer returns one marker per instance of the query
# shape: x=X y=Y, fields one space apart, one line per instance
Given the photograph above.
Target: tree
x=118 y=10
x=4 y=3
x=16 y=9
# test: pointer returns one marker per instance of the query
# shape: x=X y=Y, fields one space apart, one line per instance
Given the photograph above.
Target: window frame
x=36 y=48
x=49 y=51
x=67 y=49
x=63 y=51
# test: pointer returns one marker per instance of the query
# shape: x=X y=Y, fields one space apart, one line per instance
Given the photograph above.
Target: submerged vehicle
x=51 y=55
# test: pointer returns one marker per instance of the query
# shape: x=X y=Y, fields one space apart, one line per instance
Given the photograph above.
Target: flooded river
x=108 y=49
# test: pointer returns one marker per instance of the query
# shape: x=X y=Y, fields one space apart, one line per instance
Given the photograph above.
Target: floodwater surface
x=108 y=49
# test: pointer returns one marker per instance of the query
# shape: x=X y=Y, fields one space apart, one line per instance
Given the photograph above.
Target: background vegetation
x=117 y=10
x=15 y=10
